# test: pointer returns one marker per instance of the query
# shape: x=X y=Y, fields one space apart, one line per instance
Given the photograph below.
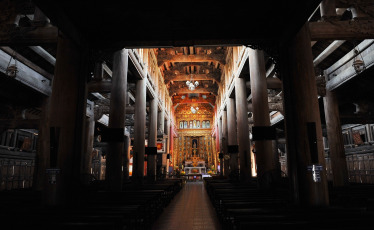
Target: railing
x=16 y=169
x=360 y=168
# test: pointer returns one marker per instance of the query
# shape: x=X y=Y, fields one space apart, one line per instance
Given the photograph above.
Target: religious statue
x=194 y=143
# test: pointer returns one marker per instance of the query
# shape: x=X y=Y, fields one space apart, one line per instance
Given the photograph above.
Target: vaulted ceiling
x=181 y=64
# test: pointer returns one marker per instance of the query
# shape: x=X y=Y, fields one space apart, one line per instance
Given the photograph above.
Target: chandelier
x=194 y=110
x=190 y=84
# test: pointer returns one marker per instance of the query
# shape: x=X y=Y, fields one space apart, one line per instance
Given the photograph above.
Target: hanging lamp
x=191 y=84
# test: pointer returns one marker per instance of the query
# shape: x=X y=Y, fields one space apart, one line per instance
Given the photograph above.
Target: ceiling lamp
x=190 y=84
x=358 y=64
x=194 y=110
x=12 y=69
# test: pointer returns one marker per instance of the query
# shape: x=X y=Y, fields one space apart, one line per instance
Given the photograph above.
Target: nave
x=143 y=92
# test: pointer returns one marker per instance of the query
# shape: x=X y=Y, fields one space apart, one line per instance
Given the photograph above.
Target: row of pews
x=242 y=206
x=137 y=206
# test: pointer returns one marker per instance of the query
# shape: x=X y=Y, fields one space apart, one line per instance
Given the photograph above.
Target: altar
x=195 y=166
x=195 y=170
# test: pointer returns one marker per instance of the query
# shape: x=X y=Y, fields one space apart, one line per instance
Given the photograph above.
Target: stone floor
x=190 y=209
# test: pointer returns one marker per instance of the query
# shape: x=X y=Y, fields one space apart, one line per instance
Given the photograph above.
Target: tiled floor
x=190 y=209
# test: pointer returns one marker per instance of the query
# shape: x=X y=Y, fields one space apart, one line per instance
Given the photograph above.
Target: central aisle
x=190 y=209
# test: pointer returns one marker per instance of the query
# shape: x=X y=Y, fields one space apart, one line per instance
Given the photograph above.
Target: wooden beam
x=272 y=83
x=325 y=53
x=44 y=54
x=30 y=36
x=347 y=57
x=342 y=71
x=19 y=123
x=26 y=75
x=27 y=62
x=195 y=77
x=349 y=3
x=107 y=69
x=104 y=109
x=272 y=107
x=271 y=71
x=99 y=86
x=198 y=90
x=342 y=30
x=191 y=58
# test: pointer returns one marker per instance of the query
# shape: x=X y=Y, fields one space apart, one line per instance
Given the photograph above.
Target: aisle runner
x=190 y=209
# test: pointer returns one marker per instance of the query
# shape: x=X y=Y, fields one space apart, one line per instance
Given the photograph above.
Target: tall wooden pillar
x=139 y=128
x=43 y=150
x=152 y=139
x=126 y=158
x=305 y=153
x=266 y=166
x=67 y=113
x=220 y=144
x=168 y=133
x=114 y=159
x=232 y=135
x=335 y=140
x=161 y=121
x=160 y=134
x=226 y=162
x=87 y=156
x=243 y=131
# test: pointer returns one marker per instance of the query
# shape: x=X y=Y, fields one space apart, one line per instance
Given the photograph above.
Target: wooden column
x=168 y=132
x=232 y=138
x=139 y=128
x=42 y=154
x=87 y=156
x=126 y=158
x=335 y=140
x=220 y=143
x=114 y=159
x=67 y=113
x=152 y=139
x=226 y=162
x=302 y=121
x=266 y=166
x=161 y=121
x=243 y=131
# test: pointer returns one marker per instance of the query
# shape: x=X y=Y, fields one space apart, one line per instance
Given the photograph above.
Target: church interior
x=201 y=115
